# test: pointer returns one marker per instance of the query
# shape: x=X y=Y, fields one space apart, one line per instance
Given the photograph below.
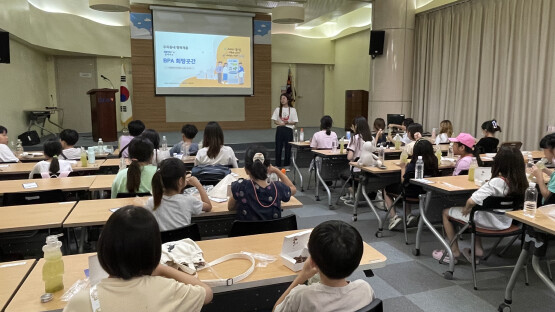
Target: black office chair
x=189 y=231
x=515 y=144
x=375 y=306
x=128 y=195
x=242 y=228
x=12 y=199
x=494 y=205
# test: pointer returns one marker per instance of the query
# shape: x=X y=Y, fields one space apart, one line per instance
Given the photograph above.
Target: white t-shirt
x=73 y=153
x=175 y=211
x=319 y=297
x=44 y=166
x=288 y=114
x=6 y=154
x=159 y=155
x=321 y=140
x=141 y=294
x=226 y=157
x=405 y=139
x=442 y=138
x=355 y=145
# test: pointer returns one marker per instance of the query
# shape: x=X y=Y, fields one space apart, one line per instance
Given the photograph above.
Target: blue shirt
x=176 y=149
x=254 y=202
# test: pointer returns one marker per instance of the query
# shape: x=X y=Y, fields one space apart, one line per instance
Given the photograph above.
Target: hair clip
x=258 y=156
x=55 y=156
x=494 y=124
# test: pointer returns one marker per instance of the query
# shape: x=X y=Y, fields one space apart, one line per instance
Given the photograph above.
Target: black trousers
x=284 y=135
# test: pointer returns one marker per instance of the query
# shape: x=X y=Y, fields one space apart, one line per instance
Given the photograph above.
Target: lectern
x=103 y=114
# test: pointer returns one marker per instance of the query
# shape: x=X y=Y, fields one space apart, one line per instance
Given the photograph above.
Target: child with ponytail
x=52 y=165
x=138 y=177
x=256 y=198
x=171 y=208
x=489 y=143
x=324 y=138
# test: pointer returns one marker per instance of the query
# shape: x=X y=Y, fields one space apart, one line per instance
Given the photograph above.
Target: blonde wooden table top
x=32 y=156
x=269 y=244
x=26 y=167
x=535 y=155
x=114 y=162
x=448 y=184
x=97 y=212
x=12 y=275
x=330 y=153
x=300 y=144
x=541 y=221
x=221 y=208
x=392 y=165
x=27 y=297
x=65 y=184
x=34 y=217
x=102 y=182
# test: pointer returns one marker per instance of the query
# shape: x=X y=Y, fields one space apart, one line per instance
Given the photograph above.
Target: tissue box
x=295 y=245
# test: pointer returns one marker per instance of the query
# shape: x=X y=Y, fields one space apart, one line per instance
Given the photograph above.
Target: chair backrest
x=127 y=195
x=12 y=199
x=189 y=231
x=503 y=202
x=47 y=175
x=515 y=144
x=332 y=167
x=242 y=228
x=375 y=306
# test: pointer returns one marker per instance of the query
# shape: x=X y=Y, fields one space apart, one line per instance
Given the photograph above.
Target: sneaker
x=394 y=222
x=349 y=202
x=345 y=197
x=412 y=220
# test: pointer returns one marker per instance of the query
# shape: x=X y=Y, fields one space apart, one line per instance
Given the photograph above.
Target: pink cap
x=465 y=139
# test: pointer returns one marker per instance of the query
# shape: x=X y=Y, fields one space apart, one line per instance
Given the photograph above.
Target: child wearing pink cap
x=462 y=146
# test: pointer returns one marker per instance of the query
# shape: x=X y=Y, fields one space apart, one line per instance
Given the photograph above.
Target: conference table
x=24 y=168
x=79 y=183
x=537 y=233
x=39 y=155
x=34 y=217
x=450 y=191
x=27 y=297
x=12 y=275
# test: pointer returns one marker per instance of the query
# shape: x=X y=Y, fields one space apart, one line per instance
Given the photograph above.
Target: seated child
x=137 y=178
x=488 y=144
x=255 y=198
x=335 y=249
x=171 y=208
x=414 y=132
x=214 y=152
x=52 y=164
x=508 y=179
x=154 y=138
x=445 y=132
x=188 y=134
x=548 y=146
x=324 y=138
x=404 y=127
x=136 y=127
x=68 y=138
x=129 y=250
x=462 y=146
x=379 y=127
x=422 y=148
x=6 y=154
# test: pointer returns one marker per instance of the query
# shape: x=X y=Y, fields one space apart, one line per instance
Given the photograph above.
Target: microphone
x=110 y=81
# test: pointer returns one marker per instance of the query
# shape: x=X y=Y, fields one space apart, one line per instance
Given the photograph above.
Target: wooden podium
x=103 y=114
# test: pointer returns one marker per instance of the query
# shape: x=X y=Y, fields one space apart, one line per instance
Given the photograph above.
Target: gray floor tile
x=313 y=211
x=401 y=304
x=381 y=288
x=411 y=277
x=393 y=254
x=448 y=299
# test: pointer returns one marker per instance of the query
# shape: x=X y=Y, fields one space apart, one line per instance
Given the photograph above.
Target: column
x=391 y=73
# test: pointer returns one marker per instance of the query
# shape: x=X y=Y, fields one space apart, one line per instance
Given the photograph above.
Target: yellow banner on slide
x=232 y=68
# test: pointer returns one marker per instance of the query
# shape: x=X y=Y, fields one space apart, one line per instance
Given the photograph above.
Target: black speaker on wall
x=376 y=42
x=4 y=47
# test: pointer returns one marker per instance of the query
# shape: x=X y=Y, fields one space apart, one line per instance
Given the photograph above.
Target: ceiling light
x=109 y=5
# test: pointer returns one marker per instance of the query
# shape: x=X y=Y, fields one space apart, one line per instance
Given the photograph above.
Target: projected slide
x=191 y=61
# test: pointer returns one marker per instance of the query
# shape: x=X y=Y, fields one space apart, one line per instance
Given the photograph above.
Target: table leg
x=422 y=207
x=316 y=175
x=355 y=206
x=82 y=239
x=296 y=168
x=541 y=274
x=380 y=224
x=449 y=273
x=319 y=178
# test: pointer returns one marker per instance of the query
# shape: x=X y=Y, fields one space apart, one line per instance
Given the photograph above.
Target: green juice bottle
x=53 y=269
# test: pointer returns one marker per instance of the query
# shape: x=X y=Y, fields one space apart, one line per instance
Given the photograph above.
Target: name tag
x=30 y=185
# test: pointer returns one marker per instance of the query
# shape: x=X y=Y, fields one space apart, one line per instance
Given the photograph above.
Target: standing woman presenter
x=285 y=117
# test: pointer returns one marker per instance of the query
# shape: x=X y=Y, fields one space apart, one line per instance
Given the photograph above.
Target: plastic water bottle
x=348 y=135
x=164 y=143
x=381 y=154
x=438 y=155
x=341 y=146
x=419 y=174
x=529 y=161
x=301 y=135
x=450 y=153
x=100 y=147
x=53 y=269
x=18 y=148
x=397 y=142
x=83 y=157
x=472 y=169
x=296 y=136
x=273 y=177
x=404 y=156
x=333 y=147
x=90 y=153
x=530 y=200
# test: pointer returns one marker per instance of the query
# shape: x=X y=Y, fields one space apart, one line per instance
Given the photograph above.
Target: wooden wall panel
x=151 y=109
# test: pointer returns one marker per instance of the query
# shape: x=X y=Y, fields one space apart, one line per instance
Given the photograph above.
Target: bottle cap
x=46 y=297
x=419 y=157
